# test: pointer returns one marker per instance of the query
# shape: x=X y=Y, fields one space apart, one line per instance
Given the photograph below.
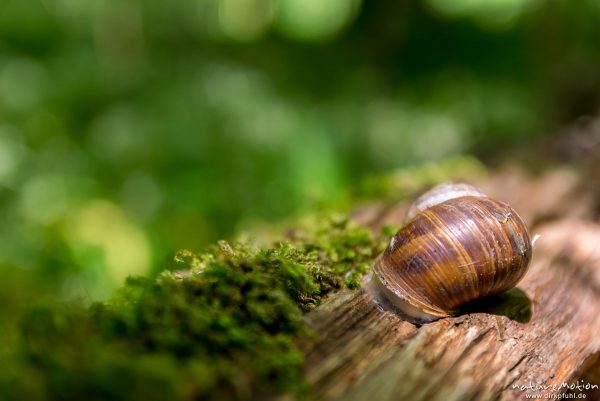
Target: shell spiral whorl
x=452 y=252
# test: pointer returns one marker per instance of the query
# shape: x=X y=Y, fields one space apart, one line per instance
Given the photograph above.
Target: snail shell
x=439 y=194
x=458 y=245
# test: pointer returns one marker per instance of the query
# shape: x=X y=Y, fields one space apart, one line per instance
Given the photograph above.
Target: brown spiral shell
x=439 y=194
x=453 y=252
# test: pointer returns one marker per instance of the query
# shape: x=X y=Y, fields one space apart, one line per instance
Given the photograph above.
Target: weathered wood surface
x=545 y=332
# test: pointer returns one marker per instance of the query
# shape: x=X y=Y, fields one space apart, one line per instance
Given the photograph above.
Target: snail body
x=453 y=249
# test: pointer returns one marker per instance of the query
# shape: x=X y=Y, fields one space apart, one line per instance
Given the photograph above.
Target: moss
x=223 y=324
x=220 y=325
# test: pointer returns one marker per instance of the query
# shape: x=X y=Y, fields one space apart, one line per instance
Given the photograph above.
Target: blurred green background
x=130 y=129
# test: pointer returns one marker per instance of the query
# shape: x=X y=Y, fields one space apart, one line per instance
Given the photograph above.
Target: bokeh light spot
x=118 y=136
x=48 y=198
x=314 y=20
x=494 y=14
x=123 y=246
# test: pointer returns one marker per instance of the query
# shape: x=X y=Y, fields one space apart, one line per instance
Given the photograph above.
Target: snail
x=457 y=245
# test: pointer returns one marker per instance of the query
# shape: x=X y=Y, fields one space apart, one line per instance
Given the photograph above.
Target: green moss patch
x=219 y=325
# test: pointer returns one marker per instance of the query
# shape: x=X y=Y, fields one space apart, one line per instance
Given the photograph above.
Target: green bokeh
x=130 y=129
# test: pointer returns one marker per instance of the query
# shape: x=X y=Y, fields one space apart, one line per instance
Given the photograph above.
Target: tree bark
x=544 y=332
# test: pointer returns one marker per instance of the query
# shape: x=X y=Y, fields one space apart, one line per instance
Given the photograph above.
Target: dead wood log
x=545 y=332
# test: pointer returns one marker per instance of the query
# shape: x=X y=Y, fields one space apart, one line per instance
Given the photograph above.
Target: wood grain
x=545 y=332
